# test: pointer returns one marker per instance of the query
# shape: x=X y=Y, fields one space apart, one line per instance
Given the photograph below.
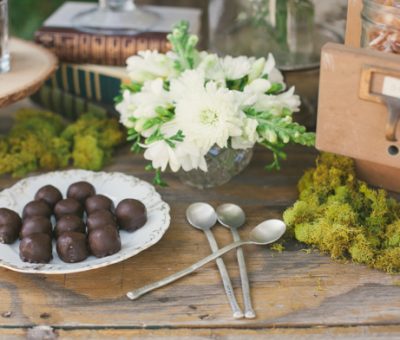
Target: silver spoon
x=233 y=217
x=202 y=216
x=265 y=233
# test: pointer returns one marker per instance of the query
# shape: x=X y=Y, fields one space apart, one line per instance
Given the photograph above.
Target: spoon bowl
x=201 y=216
x=231 y=215
x=267 y=232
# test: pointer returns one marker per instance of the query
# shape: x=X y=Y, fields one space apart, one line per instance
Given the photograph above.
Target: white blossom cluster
x=180 y=115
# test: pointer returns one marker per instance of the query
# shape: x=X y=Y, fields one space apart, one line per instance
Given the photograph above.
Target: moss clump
x=41 y=140
x=345 y=217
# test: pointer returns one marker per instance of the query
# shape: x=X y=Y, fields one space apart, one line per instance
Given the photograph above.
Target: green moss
x=87 y=154
x=42 y=140
x=279 y=247
x=393 y=235
x=361 y=250
x=389 y=260
x=345 y=217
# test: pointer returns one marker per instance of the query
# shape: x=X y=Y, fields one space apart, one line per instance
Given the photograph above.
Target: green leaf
x=275 y=88
x=133 y=87
x=276 y=131
x=158 y=179
x=184 y=46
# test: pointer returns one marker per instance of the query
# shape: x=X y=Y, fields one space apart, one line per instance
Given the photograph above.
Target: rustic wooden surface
x=295 y=293
x=31 y=65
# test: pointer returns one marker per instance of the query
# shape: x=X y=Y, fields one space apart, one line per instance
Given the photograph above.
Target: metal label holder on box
x=359 y=106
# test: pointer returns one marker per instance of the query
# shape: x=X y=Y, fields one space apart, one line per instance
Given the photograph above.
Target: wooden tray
x=31 y=65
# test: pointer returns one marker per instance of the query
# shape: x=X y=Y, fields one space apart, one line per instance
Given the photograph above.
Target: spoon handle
x=237 y=312
x=248 y=308
x=133 y=295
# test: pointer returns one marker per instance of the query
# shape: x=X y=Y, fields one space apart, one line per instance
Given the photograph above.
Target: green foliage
x=41 y=140
x=184 y=45
x=345 y=217
x=27 y=16
x=277 y=131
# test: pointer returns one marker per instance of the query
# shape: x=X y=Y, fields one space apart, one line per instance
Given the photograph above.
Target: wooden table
x=295 y=293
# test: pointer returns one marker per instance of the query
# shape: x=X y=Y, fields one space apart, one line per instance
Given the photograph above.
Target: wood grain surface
x=295 y=293
x=31 y=65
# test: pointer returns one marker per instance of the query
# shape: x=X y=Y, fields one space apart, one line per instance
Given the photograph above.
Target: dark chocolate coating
x=68 y=206
x=10 y=226
x=99 y=219
x=49 y=194
x=81 y=191
x=36 y=208
x=104 y=241
x=69 y=223
x=36 y=248
x=36 y=225
x=98 y=202
x=131 y=214
x=72 y=247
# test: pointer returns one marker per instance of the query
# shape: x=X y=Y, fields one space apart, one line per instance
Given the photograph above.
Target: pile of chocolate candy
x=85 y=223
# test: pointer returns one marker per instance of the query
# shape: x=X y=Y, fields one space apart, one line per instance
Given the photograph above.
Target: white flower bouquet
x=181 y=104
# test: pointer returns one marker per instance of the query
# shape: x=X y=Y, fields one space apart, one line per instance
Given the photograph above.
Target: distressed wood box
x=359 y=106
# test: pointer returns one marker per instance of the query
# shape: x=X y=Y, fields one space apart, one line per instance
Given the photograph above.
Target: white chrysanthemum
x=276 y=104
x=249 y=135
x=236 y=68
x=149 y=65
x=184 y=155
x=209 y=117
x=151 y=96
x=274 y=75
x=210 y=64
x=190 y=81
x=126 y=108
x=252 y=92
x=142 y=105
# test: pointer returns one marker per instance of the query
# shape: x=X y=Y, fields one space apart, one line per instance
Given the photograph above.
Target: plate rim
x=37 y=269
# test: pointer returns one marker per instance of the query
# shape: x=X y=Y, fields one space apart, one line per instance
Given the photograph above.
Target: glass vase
x=223 y=165
x=4 y=52
x=115 y=17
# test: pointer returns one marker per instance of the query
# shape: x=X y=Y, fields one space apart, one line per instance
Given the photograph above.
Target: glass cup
x=381 y=25
x=4 y=52
x=115 y=17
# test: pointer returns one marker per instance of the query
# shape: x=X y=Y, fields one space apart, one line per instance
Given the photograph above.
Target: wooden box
x=359 y=110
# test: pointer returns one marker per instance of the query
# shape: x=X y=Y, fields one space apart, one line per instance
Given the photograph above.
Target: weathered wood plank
x=290 y=289
x=326 y=333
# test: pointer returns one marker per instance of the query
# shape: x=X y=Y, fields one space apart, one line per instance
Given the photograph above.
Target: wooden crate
x=353 y=115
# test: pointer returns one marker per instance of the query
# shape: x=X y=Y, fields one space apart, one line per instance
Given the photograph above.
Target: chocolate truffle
x=99 y=219
x=10 y=226
x=49 y=194
x=131 y=214
x=72 y=247
x=36 y=225
x=104 y=241
x=68 y=206
x=36 y=248
x=36 y=208
x=80 y=191
x=98 y=202
x=69 y=223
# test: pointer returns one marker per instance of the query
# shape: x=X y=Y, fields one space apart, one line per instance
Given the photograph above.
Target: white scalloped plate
x=117 y=186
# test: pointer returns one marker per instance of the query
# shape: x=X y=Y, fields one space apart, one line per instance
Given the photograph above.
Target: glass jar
x=294 y=31
x=113 y=17
x=4 y=52
x=381 y=25
x=223 y=165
